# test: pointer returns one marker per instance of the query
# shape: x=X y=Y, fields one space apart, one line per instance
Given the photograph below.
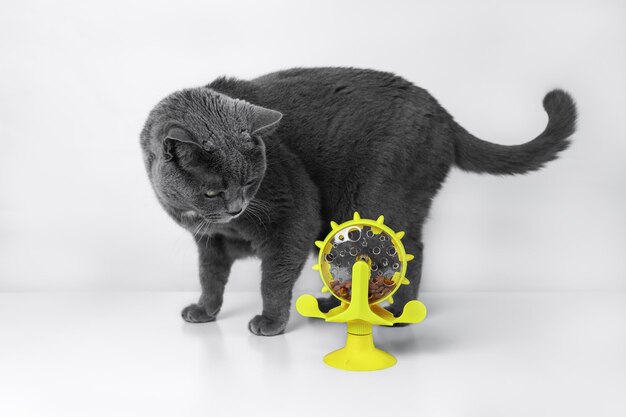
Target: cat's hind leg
x=409 y=292
x=408 y=215
x=327 y=303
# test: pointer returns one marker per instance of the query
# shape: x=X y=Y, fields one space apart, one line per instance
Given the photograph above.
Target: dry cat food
x=379 y=287
x=362 y=243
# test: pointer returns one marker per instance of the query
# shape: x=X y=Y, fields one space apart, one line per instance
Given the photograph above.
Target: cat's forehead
x=209 y=103
x=209 y=112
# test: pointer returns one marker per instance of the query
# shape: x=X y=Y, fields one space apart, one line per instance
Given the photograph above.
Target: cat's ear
x=264 y=120
x=175 y=134
x=180 y=135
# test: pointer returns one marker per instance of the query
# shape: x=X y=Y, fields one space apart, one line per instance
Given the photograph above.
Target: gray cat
x=259 y=168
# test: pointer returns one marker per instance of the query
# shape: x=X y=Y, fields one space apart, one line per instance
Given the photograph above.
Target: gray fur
x=295 y=149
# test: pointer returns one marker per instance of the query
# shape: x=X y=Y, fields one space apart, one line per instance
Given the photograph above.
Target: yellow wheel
x=362 y=240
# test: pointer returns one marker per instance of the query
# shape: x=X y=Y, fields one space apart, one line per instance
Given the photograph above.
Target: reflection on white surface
x=483 y=354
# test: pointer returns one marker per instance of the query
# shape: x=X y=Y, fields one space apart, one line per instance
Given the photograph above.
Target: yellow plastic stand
x=359 y=353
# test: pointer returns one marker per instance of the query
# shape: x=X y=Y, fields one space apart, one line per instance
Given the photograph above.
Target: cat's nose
x=235 y=205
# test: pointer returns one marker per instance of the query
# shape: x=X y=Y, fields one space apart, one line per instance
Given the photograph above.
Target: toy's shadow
x=409 y=341
x=415 y=339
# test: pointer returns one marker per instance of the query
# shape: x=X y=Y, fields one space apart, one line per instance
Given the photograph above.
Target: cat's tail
x=476 y=155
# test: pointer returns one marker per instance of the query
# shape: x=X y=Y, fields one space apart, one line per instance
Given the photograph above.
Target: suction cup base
x=360 y=354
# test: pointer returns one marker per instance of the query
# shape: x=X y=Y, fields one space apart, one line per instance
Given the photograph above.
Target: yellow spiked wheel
x=362 y=239
x=362 y=262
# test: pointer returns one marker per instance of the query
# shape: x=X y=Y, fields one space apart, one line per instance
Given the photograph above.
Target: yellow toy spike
x=334 y=225
x=409 y=257
x=316 y=267
x=307 y=306
x=325 y=289
x=319 y=244
x=380 y=219
x=405 y=281
x=357 y=216
x=414 y=311
x=400 y=235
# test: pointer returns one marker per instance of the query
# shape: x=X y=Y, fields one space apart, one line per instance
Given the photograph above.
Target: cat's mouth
x=194 y=216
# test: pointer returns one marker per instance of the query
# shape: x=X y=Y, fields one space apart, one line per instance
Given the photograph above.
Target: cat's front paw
x=264 y=326
x=195 y=313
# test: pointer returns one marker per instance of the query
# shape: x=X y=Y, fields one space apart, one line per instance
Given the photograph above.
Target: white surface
x=476 y=354
x=78 y=79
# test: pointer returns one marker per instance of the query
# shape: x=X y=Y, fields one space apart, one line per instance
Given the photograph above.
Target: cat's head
x=205 y=154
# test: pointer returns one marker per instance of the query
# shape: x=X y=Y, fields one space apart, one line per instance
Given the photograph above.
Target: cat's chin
x=196 y=217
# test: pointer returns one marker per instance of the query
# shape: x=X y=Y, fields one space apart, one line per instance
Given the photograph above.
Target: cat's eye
x=212 y=193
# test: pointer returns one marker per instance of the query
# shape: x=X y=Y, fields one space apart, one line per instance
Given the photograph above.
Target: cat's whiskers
x=251 y=211
x=206 y=237
x=261 y=208
x=260 y=202
x=199 y=227
x=263 y=212
x=207 y=227
x=195 y=230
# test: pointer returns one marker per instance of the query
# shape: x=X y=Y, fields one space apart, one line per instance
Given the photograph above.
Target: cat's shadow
x=209 y=335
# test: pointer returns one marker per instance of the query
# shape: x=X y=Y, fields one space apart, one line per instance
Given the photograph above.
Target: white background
x=78 y=79
x=524 y=277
